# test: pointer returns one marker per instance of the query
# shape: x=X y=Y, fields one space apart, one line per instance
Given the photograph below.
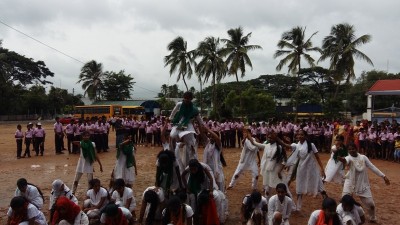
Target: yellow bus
x=133 y=111
x=90 y=111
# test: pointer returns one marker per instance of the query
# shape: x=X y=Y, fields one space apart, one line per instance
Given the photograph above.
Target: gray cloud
x=133 y=35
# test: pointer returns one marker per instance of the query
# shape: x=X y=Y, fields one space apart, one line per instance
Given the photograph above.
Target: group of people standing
x=188 y=191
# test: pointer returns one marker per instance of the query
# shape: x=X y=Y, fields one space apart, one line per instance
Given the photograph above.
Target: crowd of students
x=188 y=191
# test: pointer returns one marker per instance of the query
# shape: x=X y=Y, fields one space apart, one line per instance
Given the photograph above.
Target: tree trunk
x=184 y=81
x=337 y=90
x=240 y=96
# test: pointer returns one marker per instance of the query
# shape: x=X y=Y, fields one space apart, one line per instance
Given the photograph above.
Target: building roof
x=385 y=87
x=123 y=103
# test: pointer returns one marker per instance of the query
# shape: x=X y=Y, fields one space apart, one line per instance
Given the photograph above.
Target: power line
x=65 y=54
x=145 y=88
x=41 y=42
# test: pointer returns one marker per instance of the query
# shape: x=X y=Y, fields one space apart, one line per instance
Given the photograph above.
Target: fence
x=25 y=117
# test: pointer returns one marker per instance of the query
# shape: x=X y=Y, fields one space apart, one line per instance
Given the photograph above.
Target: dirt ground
x=42 y=170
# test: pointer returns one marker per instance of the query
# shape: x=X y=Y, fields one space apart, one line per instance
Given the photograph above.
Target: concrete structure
x=382 y=87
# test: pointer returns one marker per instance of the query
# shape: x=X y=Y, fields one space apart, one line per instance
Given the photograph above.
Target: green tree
x=18 y=68
x=92 y=76
x=117 y=86
x=211 y=64
x=180 y=59
x=256 y=104
x=341 y=48
x=294 y=45
x=236 y=48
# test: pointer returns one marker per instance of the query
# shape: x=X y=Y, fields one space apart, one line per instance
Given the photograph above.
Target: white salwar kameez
x=285 y=208
x=354 y=215
x=211 y=157
x=121 y=171
x=269 y=167
x=308 y=177
x=334 y=170
x=248 y=161
x=357 y=182
x=185 y=134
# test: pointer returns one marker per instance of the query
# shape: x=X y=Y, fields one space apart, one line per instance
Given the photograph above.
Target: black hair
x=151 y=197
x=351 y=144
x=188 y=94
x=169 y=156
x=22 y=182
x=330 y=203
x=119 y=183
x=280 y=154
x=17 y=202
x=254 y=197
x=340 y=137
x=110 y=209
x=93 y=182
x=349 y=200
x=199 y=176
x=173 y=203
x=281 y=186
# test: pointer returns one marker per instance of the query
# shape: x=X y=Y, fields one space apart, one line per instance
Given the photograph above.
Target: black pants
x=19 y=148
x=58 y=139
x=39 y=145
x=142 y=135
x=70 y=139
x=134 y=133
x=28 y=142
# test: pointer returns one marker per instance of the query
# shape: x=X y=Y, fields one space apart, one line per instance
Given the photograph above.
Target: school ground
x=42 y=170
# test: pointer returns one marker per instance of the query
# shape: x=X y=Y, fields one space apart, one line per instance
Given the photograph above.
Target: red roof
x=385 y=87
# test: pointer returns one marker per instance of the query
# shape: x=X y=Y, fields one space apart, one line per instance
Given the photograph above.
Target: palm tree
x=92 y=77
x=179 y=59
x=341 y=47
x=211 y=63
x=294 y=45
x=236 y=51
x=164 y=90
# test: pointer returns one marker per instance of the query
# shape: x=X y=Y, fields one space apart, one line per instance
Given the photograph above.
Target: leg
x=369 y=207
x=234 y=178
x=76 y=181
x=299 y=201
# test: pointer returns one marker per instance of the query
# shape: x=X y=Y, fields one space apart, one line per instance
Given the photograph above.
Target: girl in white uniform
x=280 y=206
x=308 y=175
x=247 y=161
x=334 y=169
x=125 y=166
x=271 y=162
x=357 y=181
x=350 y=211
x=86 y=159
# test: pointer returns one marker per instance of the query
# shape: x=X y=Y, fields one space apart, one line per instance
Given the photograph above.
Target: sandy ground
x=42 y=170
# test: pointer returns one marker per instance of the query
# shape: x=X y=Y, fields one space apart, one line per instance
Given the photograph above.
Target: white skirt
x=334 y=172
x=120 y=170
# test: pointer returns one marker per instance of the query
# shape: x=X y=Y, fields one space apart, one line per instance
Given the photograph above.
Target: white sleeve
x=372 y=167
x=271 y=209
x=189 y=211
x=175 y=110
x=313 y=217
x=360 y=210
x=314 y=149
x=104 y=192
x=289 y=208
x=32 y=211
x=114 y=195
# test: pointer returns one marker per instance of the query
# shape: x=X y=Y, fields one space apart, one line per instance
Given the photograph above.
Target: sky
x=133 y=35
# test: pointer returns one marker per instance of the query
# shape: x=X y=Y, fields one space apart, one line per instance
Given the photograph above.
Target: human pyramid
x=188 y=191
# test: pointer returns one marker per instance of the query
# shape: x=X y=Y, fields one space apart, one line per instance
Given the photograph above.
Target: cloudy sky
x=132 y=35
